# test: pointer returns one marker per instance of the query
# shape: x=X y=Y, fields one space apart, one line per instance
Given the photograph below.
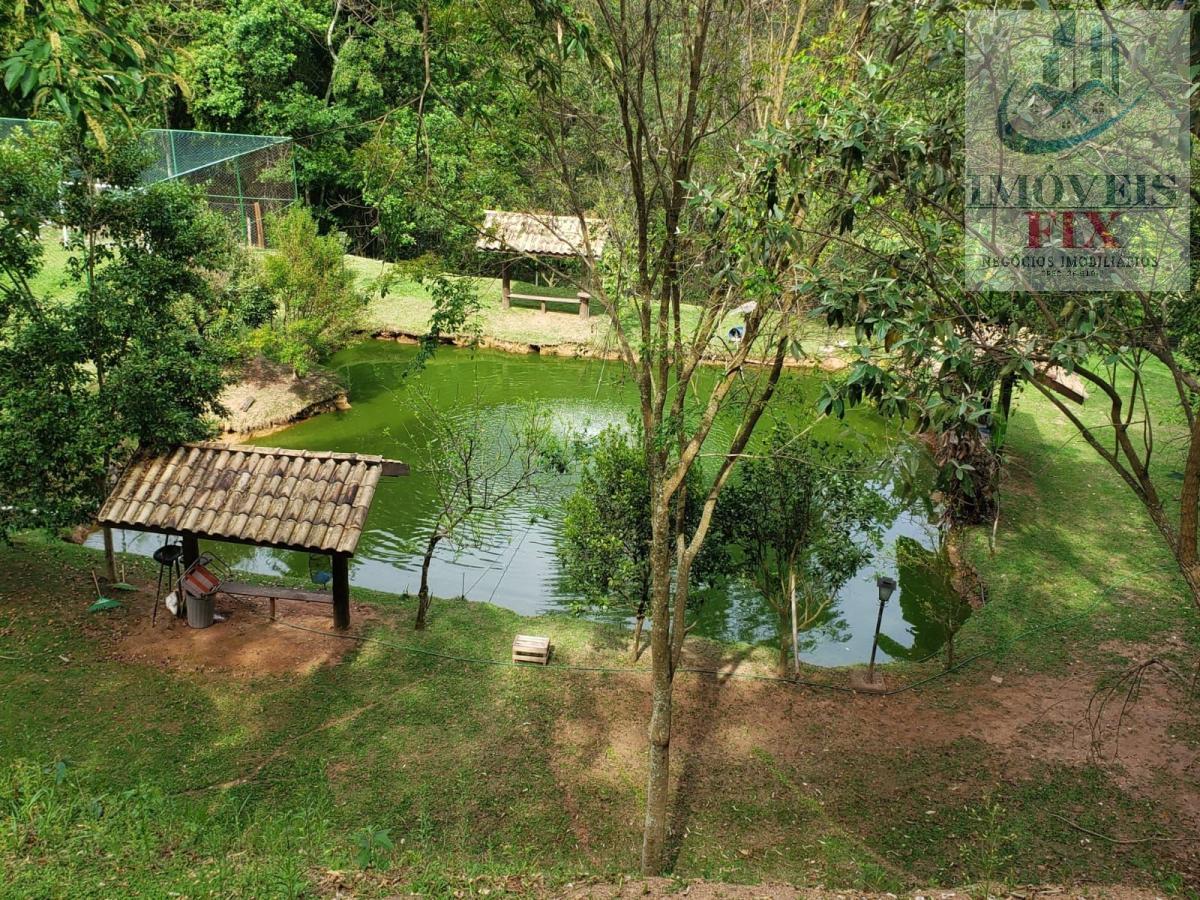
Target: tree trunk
x=1190 y=571
x=784 y=641
x=637 y=626
x=423 y=593
x=654 y=837
x=1188 y=554
x=1185 y=554
x=110 y=559
x=795 y=625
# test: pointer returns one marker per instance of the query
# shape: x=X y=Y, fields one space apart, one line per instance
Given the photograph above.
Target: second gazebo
x=524 y=235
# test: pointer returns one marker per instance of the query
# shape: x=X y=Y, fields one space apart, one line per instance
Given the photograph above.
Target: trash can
x=200 y=610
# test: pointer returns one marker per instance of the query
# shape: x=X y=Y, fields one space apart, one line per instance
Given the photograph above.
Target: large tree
x=120 y=359
x=1122 y=368
x=376 y=93
x=687 y=126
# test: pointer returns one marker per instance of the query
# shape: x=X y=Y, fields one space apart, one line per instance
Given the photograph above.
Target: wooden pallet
x=529 y=648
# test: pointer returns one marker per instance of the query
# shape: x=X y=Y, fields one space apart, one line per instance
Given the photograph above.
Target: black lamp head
x=886 y=587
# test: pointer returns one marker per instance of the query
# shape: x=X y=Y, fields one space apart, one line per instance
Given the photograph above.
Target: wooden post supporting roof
x=341 y=592
x=191 y=549
x=303 y=500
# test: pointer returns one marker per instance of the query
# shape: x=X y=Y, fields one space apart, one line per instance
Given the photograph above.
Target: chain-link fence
x=8 y=126
x=244 y=177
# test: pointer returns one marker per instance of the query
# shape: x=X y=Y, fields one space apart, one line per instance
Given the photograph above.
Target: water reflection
x=516 y=567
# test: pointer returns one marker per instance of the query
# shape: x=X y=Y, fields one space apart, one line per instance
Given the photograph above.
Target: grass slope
x=120 y=778
x=406 y=307
x=1074 y=544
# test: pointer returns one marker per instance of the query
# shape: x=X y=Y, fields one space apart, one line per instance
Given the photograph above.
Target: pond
x=518 y=568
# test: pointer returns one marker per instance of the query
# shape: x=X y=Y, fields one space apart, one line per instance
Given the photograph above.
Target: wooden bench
x=530 y=648
x=244 y=589
x=582 y=299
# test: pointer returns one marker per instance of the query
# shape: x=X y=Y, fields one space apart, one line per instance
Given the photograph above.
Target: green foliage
x=372 y=843
x=88 y=61
x=801 y=516
x=603 y=546
x=122 y=361
x=350 y=81
x=934 y=351
x=456 y=311
x=317 y=306
x=605 y=536
x=432 y=177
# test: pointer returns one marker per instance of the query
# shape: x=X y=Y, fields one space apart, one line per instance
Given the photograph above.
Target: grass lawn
x=1074 y=542
x=406 y=308
x=388 y=771
x=51 y=279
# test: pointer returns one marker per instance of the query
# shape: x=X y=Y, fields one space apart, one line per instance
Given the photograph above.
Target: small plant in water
x=370 y=841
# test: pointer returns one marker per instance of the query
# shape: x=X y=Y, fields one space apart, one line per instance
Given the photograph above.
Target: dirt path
x=247 y=644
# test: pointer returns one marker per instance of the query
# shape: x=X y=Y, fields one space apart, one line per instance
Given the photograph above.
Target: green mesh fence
x=245 y=177
x=8 y=126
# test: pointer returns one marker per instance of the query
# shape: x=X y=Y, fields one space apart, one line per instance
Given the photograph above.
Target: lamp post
x=886 y=587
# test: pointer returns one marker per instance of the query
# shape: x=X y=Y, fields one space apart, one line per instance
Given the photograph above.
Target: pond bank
x=403 y=310
x=278 y=399
x=576 y=350
x=267 y=396
x=518 y=564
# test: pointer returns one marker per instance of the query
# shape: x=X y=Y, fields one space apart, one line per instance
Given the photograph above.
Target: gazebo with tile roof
x=524 y=234
x=306 y=500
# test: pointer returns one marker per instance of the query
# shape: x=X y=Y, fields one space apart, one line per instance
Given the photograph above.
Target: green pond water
x=518 y=567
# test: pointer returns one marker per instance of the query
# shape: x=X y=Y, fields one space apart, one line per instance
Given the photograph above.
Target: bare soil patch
x=276 y=398
x=247 y=643
x=822 y=745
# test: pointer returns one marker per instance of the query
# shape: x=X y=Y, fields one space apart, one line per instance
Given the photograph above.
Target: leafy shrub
x=317 y=306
